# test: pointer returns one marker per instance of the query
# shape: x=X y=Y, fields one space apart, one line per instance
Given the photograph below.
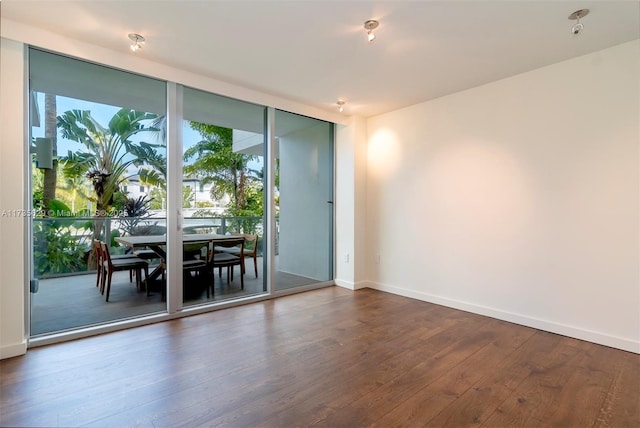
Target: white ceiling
x=316 y=51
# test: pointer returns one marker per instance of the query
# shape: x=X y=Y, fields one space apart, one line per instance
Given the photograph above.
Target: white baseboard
x=13 y=350
x=360 y=285
x=550 y=326
x=350 y=284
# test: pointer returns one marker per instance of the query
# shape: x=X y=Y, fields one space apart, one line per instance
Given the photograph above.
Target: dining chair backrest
x=106 y=256
x=230 y=242
x=97 y=249
x=219 y=259
x=250 y=244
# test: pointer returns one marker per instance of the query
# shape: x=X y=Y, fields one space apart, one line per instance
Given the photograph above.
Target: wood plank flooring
x=328 y=357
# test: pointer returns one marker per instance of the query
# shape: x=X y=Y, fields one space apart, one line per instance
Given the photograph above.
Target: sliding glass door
x=223 y=195
x=102 y=248
x=304 y=201
x=97 y=149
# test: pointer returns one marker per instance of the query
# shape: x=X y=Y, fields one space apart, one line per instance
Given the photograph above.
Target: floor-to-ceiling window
x=97 y=156
x=100 y=174
x=223 y=194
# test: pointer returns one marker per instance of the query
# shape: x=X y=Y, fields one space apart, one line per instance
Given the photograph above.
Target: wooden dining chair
x=250 y=250
x=195 y=262
x=219 y=259
x=199 y=266
x=100 y=271
x=110 y=265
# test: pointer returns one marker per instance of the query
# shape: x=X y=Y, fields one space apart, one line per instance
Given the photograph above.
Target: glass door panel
x=97 y=151
x=304 y=201
x=223 y=196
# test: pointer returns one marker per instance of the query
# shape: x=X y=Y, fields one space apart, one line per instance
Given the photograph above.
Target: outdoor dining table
x=157 y=242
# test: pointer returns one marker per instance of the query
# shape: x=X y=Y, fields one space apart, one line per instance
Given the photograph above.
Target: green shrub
x=56 y=250
x=58 y=242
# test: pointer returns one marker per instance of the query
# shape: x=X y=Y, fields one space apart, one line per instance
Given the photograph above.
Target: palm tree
x=217 y=163
x=70 y=188
x=110 y=152
x=110 y=156
x=50 y=131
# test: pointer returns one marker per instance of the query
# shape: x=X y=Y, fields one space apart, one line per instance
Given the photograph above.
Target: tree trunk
x=235 y=189
x=51 y=132
x=98 y=226
x=242 y=194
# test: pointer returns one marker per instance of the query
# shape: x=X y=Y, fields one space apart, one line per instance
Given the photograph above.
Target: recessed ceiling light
x=371 y=25
x=137 y=41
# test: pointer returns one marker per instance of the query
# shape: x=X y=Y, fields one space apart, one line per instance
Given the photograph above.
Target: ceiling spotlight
x=371 y=25
x=137 y=41
x=575 y=16
x=341 y=104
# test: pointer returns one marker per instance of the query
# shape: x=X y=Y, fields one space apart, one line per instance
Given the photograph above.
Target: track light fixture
x=341 y=104
x=137 y=41
x=371 y=25
x=575 y=16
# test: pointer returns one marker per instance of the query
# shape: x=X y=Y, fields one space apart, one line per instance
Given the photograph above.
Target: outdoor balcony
x=70 y=300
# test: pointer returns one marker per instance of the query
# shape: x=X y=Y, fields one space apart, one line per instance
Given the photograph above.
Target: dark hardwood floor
x=329 y=357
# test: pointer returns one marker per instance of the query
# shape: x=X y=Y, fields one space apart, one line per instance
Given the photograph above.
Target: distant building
x=200 y=194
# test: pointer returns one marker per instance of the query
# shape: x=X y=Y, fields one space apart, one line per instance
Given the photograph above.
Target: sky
x=103 y=114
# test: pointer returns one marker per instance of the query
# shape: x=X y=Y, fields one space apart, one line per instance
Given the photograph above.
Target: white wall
x=351 y=157
x=344 y=191
x=517 y=199
x=12 y=191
